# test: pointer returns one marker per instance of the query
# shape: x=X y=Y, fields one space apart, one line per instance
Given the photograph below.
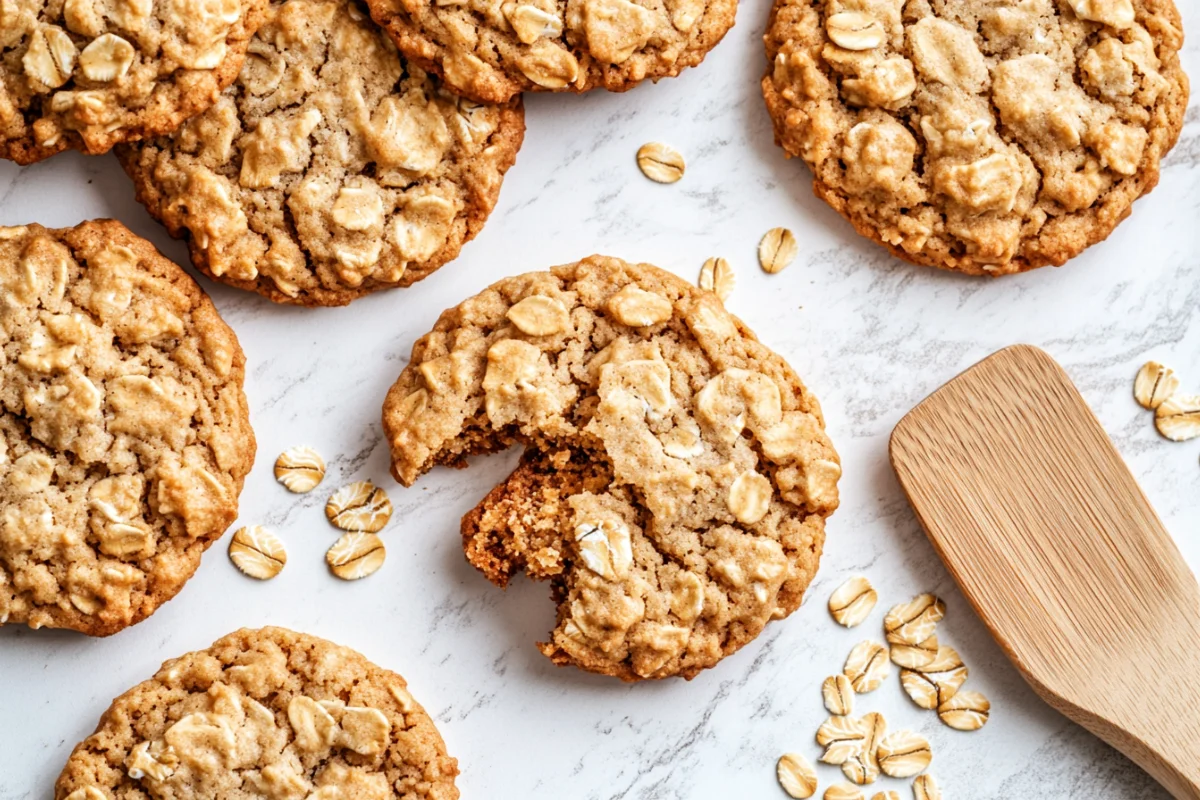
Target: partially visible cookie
x=676 y=475
x=986 y=138
x=124 y=432
x=87 y=74
x=264 y=713
x=492 y=51
x=332 y=168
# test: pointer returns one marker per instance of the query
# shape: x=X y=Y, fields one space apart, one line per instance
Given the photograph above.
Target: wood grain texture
x=1057 y=548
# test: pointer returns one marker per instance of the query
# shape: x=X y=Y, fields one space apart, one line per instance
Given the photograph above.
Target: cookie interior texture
x=264 y=713
x=979 y=137
x=87 y=74
x=124 y=432
x=332 y=168
x=492 y=51
x=676 y=474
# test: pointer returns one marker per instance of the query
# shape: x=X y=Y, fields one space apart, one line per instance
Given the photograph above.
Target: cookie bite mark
x=676 y=474
x=978 y=138
x=124 y=432
x=332 y=168
x=524 y=523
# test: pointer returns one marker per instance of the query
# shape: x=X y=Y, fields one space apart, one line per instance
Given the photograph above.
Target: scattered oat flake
x=915 y=656
x=796 y=775
x=925 y=788
x=1178 y=418
x=915 y=621
x=356 y=555
x=863 y=767
x=717 y=276
x=838 y=695
x=300 y=469
x=844 y=791
x=777 y=249
x=888 y=795
x=1154 y=385
x=359 y=506
x=874 y=728
x=860 y=769
x=842 y=737
x=936 y=682
x=965 y=711
x=660 y=162
x=257 y=552
x=867 y=666
x=852 y=602
x=903 y=754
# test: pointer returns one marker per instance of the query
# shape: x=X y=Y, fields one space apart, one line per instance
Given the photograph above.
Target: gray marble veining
x=871 y=335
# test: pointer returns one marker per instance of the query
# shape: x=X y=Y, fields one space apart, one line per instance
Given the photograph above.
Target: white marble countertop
x=869 y=334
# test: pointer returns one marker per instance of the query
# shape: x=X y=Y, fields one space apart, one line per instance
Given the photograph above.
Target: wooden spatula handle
x=1158 y=732
x=1058 y=549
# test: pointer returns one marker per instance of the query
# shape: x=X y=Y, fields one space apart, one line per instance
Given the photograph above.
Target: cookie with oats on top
x=332 y=168
x=264 y=713
x=124 y=431
x=985 y=138
x=87 y=74
x=491 y=52
x=676 y=474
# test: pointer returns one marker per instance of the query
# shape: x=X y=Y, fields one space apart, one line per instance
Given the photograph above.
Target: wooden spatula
x=1053 y=543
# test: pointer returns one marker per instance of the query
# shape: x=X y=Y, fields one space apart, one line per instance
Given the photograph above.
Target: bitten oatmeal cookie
x=264 y=713
x=124 y=434
x=332 y=168
x=492 y=51
x=987 y=138
x=87 y=74
x=676 y=475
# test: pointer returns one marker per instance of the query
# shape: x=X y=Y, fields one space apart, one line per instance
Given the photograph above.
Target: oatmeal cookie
x=676 y=474
x=264 y=713
x=491 y=51
x=332 y=168
x=87 y=74
x=986 y=138
x=124 y=432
